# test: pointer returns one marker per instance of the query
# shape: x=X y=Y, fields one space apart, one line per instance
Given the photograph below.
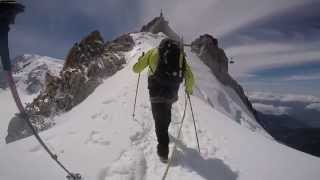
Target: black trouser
x=162 y=117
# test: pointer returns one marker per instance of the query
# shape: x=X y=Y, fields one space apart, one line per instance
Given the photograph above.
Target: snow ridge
x=99 y=139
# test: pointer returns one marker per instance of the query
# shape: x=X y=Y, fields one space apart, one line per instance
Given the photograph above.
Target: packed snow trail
x=143 y=160
x=99 y=139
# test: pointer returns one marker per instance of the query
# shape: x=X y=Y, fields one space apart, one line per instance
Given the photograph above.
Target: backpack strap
x=149 y=64
x=182 y=64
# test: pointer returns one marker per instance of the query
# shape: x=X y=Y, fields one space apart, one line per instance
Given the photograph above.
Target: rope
x=175 y=144
x=194 y=123
x=23 y=113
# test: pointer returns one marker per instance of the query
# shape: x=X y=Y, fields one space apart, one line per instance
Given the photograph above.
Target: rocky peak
x=159 y=24
x=30 y=71
x=122 y=43
x=87 y=63
x=206 y=47
x=81 y=53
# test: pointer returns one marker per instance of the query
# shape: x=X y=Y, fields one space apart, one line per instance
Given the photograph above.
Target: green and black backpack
x=170 y=71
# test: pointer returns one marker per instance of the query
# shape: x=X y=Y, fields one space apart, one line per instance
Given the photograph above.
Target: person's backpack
x=170 y=71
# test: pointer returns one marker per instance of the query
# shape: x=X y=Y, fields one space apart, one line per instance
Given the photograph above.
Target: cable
x=71 y=176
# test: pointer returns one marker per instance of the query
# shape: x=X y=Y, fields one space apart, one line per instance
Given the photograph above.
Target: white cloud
x=282 y=98
x=221 y=17
x=250 y=58
x=314 y=106
x=296 y=106
x=218 y=17
x=315 y=76
x=271 y=109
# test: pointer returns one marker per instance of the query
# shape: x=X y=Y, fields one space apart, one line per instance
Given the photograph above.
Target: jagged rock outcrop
x=30 y=71
x=82 y=53
x=159 y=24
x=122 y=43
x=206 y=47
x=87 y=63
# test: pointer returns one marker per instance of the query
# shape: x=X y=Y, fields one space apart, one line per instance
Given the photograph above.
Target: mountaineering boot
x=163 y=152
x=164 y=160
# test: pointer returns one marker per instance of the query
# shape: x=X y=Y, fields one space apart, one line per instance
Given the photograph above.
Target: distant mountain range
x=280 y=119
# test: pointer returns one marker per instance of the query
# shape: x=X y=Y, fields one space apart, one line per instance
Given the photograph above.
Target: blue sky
x=275 y=43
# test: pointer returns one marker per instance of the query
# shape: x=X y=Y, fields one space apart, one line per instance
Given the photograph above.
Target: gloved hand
x=141 y=56
x=189 y=91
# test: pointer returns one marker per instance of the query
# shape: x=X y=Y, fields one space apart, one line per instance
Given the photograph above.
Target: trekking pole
x=174 y=151
x=135 y=99
x=194 y=122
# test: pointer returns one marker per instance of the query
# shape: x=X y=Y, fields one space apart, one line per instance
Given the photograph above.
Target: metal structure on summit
x=8 y=11
x=161 y=13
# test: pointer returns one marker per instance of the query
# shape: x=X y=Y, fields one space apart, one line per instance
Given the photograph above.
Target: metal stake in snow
x=8 y=11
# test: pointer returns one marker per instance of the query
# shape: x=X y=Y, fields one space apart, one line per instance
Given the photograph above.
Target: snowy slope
x=99 y=139
x=220 y=97
x=7 y=111
x=29 y=70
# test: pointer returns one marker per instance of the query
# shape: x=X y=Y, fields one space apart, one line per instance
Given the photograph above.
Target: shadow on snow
x=210 y=169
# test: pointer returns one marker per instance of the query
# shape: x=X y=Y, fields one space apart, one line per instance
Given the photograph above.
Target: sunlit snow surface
x=38 y=65
x=100 y=140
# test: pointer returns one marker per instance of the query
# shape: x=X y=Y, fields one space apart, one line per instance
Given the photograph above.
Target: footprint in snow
x=108 y=101
x=35 y=148
x=72 y=132
x=96 y=137
x=105 y=117
x=132 y=165
x=95 y=116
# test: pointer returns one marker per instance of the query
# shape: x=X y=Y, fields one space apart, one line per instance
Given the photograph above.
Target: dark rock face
x=34 y=80
x=159 y=24
x=29 y=71
x=122 y=43
x=3 y=82
x=291 y=132
x=87 y=63
x=206 y=47
x=17 y=129
x=82 y=53
x=303 y=139
x=277 y=123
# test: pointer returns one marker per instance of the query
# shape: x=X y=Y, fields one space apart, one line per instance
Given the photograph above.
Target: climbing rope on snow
x=177 y=138
x=71 y=176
